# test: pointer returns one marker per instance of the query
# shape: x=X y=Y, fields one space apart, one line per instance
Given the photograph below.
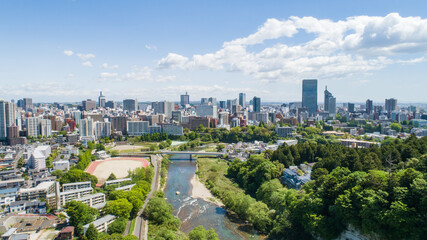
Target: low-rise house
x=66 y=233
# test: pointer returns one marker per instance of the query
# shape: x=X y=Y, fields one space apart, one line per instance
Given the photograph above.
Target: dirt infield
x=119 y=166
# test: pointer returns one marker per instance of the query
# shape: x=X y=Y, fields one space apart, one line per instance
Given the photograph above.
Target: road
x=141 y=225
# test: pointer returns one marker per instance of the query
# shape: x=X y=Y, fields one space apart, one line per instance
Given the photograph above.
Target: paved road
x=141 y=225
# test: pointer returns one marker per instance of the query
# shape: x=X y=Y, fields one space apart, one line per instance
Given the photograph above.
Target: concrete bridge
x=182 y=154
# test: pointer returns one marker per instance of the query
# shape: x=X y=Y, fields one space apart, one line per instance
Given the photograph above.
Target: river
x=193 y=211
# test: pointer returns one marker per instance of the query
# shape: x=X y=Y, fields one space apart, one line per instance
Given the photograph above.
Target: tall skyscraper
x=242 y=99
x=3 y=120
x=86 y=127
x=212 y=101
x=130 y=105
x=309 y=95
x=33 y=127
x=230 y=103
x=350 y=107
x=185 y=99
x=390 y=105
x=101 y=100
x=369 y=106
x=204 y=101
x=27 y=103
x=328 y=97
x=257 y=104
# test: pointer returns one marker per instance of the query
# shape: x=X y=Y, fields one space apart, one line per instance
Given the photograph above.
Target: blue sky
x=155 y=50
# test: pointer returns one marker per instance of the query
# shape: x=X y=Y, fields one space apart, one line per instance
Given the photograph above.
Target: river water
x=193 y=211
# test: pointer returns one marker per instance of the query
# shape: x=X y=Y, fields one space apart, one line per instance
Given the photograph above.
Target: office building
x=222 y=104
x=204 y=101
x=242 y=99
x=309 y=95
x=350 y=107
x=101 y=100
x=330 y=102
x=88 y=105
x=257 y=104
x=185 y=99
x=212 y=101
x=3 y=120
x=230 y=103
x=27 y=104
x=130 y=105
x=111 y=104
x=390 y=105
x=177 y=116
x=207 y=111
x=163 y=107
x=137 y=128
x=369 y=106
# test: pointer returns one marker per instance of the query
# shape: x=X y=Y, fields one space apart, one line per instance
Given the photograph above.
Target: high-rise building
x=86 y=127
x=102 y=129
x=328 y=96
x=111 y=104
x=130 y=105
x=88 y=105
x=350 y=107
x=27 y=104
x=177 y=116
x=45 y=127
x=119 y=124
x=369 y=106
x=212 y=101
x=391 y=105
x=7 y=117
x=222 y=104
x=137 y=128
x=204 y=101
x=242 y=99
x=309 y=95
x=257 y=104
x=101 y=100
x=163 y=107
x=206 y=110
x=185 y=99
x=230 y=103
x=33 y=126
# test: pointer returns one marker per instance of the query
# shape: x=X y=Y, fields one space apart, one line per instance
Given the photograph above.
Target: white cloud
x=107 y=66
x=145 y=74
x=68 y=52
x=70 y=75
x=336 y=49
x=151 y=47
x=85 y=57
x=173 y=60
x=87 y=64
x=108 y=75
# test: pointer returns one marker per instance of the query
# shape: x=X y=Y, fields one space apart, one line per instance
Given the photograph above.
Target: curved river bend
x=193 y=211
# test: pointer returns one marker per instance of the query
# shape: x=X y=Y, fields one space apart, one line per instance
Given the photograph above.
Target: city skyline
x=69 y=51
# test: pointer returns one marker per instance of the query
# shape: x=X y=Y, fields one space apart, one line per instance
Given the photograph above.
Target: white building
x=206 y=110
x=117 y=181
x=96 y=200
x=37 y=160
x=86 y=127
x=76 y=185
x=137 y=128
x=101 y=224
x=33 y=127
x=102 y=129
x=61 y=165
x=45 y=127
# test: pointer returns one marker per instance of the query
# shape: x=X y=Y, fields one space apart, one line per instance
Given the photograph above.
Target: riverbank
x=199 y=190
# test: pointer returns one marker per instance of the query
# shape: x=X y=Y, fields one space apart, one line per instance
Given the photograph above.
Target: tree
x=80 y=213
x=200 y=233
x=120 y=207
x=92 y=232
x=112 y=177
x=219 y=147
x=118 y=226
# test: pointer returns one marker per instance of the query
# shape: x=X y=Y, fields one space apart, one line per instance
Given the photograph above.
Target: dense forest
x=380 y=191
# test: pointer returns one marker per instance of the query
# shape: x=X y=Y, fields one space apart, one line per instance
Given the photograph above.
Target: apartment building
x=96 y=200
